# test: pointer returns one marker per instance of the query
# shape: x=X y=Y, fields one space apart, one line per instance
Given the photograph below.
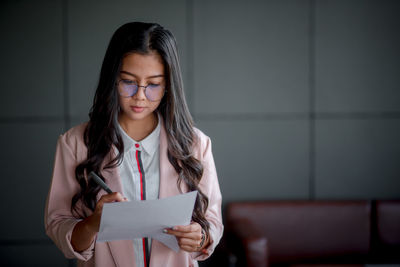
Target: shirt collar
x=149 y=144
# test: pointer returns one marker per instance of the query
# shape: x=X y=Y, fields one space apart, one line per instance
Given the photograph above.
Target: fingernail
x=165 y=230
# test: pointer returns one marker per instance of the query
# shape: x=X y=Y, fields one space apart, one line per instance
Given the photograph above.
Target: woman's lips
x=137 y=109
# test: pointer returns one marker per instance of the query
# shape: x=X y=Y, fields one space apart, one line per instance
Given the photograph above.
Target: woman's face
x=141 y=70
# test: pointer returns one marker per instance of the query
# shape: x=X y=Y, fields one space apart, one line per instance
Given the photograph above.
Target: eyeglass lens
x=153 y=92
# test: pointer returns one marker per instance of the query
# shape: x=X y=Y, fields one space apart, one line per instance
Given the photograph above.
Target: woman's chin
x=137 y=116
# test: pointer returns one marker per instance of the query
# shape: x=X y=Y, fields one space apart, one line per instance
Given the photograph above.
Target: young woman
x=141 y=140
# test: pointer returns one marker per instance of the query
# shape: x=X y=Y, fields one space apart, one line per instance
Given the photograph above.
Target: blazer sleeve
x=59 y=221
x=209 y=185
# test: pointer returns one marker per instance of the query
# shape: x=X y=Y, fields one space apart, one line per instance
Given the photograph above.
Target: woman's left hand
x=188 y=236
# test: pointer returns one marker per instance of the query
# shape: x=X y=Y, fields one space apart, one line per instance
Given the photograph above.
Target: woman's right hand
x=85 y=230
x=94 y=219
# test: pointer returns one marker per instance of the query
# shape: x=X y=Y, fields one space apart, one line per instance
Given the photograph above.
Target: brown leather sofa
x=302 y=233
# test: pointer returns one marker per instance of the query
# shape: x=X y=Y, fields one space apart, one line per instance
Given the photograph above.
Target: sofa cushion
x=388 y=221
x=300 y=230
x=387 y=247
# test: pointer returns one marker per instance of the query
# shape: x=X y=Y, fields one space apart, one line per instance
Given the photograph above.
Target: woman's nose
x=140 y=94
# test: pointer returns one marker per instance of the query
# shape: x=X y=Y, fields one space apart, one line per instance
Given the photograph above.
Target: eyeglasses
x=153 y=92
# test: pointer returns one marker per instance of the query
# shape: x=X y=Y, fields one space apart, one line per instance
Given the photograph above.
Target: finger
x=108 y=198
x=191 y=235
x=193 y=227
x=189 y=242
x=189 y=248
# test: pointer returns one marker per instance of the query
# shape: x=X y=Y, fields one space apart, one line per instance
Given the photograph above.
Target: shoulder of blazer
x=73 y=139
x=201 y=143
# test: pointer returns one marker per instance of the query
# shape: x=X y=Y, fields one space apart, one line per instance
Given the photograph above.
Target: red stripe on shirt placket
x=144 y=252
x=142 y=198
x=141 y=175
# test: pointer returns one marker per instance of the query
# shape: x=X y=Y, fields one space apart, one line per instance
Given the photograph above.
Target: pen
x=100 y=182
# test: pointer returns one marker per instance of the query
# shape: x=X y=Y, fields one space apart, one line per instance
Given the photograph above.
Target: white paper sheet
x=148 y=218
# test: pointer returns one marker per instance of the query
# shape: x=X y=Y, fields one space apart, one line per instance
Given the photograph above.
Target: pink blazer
x=59 y=221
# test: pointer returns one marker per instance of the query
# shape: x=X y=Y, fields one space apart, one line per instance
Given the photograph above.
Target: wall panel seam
x=312 y=55
x=67 y=120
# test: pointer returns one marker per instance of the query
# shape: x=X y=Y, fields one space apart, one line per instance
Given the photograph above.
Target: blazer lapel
x=168 y=175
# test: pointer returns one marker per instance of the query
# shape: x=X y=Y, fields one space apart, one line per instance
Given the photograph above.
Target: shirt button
x=137 y=145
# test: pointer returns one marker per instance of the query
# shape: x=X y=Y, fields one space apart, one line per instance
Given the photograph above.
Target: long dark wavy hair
x=102 y=134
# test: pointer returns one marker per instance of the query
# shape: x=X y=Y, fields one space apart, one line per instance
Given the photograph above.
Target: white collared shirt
x=130 y=175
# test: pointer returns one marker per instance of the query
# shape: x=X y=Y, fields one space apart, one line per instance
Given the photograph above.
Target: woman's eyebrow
x=153 y=76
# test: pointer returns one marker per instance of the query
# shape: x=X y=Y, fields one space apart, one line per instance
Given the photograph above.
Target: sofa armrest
x=247 y=244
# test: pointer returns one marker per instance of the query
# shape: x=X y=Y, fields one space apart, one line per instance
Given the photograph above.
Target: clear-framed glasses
x=153 y=92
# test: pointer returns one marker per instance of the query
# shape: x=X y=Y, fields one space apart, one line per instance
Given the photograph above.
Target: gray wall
x=301 y=98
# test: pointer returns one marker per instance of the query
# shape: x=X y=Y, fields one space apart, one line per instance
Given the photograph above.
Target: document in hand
x=147 y=218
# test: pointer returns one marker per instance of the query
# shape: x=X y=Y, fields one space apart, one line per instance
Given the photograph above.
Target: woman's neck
x=139 y=129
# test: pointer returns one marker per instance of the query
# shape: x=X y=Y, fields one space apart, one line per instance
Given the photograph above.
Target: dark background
x=300 y=98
